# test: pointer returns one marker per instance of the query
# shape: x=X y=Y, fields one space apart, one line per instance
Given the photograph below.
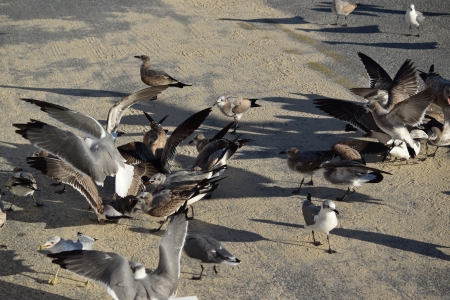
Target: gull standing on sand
x=124 y=280
x=306 y=162
x=320 y=218
x=343 y=8
x=56 y=244
x=94 y=155
x=414 y=17
x=154 y=77
x=207 y=250
x=21 y=184
x=350 y=170
x=235 y=107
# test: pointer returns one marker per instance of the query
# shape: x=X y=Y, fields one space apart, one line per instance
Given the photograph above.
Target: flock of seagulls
x=393 y=115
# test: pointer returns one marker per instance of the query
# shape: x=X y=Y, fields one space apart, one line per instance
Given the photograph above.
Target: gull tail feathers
x=123 y=180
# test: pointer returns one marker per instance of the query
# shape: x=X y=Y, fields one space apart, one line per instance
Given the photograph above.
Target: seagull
x=201 y=141
x=235 y=107
x=56 y=244
x=350 y=170
x=414 y=17
x=164 y=201
x=438 y=85
x=140 y=152
x=306 y=162
x=125 y=280
x=21 y=184
x=207 y=250
x=57 y=169
x=320 y=218
x=380 y=83
x=343 y=8
x=94 y=155
x=407 y=112
x=438 y=129
x=154 y=77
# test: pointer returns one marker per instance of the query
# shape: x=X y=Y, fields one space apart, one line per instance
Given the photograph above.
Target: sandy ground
x=393 y=238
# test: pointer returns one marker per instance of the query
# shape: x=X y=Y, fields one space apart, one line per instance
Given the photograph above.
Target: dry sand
x=393 y=237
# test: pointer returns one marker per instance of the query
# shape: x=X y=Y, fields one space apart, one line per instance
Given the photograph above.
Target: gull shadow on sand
x=71 y=92
x=395 y=242
x=291 y=21
x=359 y=29
x=10 y=290
x=409 y=46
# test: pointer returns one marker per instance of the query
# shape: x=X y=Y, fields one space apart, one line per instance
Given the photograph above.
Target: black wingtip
x=149 y=118
x=253 y=104
x=411 y=151
x=308 y=197
x=179 y=85
x=378 y=177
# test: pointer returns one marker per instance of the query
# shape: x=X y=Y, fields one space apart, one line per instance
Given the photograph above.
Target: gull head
x=220 y=102
x=157 y=179
x=142 y=57
x=411 y=7
x=291 y=152
x=51 y=241
x=329 y=205
x=369 y=105
x=197 y=138
x=138 y=270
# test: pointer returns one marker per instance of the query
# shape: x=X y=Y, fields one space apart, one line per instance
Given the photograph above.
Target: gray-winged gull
x=414 y=17
x=207 y=250
x=235 y=107
x=124 y=280
x=320 y=218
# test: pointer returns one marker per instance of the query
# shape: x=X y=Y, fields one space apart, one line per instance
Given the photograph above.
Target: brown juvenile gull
x=207 y=250
x=343 y=8
x=235 y=107
x=56 y=244
x=21 y=184
x=153 y=77
x=438 y=129
x=306 y=162
x=351 y=170
x=320 y=218
x=94 y=155
x=125 y=280
x=414 y=17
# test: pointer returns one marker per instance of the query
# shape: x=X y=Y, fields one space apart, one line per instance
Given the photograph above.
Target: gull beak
x=42 y=247
x=336 y=211
x=191 y=141
x=215 y=103
x=282 y=152
x=137 y=56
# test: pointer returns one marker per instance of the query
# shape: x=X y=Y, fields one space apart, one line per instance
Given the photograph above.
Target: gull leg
x=87 y=283
x=409 y=30
x=310 y=182
x=236 y=123
x=61 y=191
x=329 y=246
x=54 y=279
x=199 y=277
x=295 y=192
x=337 y=18
x=192 y=208
x=315 y=243
x=162 y=224
x=215 y=270
x=418 y=31
x=434 y=153
x=345 y=19
x=345 y=195
x=37 y=204
x=10 y=207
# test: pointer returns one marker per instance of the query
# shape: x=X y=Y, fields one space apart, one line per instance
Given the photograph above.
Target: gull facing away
x=235 y=107
x=414 y=17
x=320 y=218
x=343 y=8
x=56 y=244
x=306 y=162
x=153 y=77
x=124 y=280
x=439 y=86
x=94 y=155
x=21 y=184
x=207 y=250
x=350 y=170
